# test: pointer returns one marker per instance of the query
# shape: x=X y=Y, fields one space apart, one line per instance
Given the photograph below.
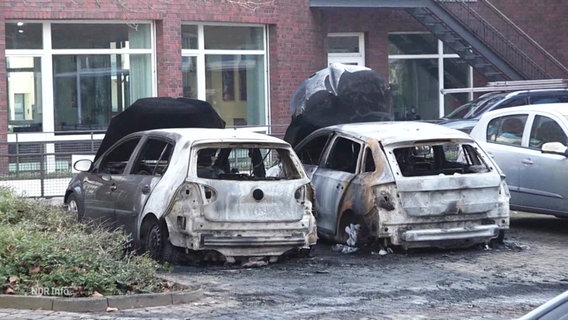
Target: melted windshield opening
x=246 y=162
x=439 y=159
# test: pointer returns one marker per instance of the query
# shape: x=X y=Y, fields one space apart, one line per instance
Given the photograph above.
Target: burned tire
x=156 y=242
x=74 y=207
x=349 y=219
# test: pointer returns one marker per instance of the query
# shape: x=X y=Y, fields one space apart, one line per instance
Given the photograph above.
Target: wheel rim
x=154 y=242
x=73 y=208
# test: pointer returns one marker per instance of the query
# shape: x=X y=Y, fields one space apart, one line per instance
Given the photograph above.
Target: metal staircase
x=483 y=36
x=478 y=32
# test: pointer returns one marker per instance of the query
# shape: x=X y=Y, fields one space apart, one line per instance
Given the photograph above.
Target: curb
x=100 y=304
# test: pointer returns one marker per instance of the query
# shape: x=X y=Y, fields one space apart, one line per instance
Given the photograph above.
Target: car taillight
x=504 y=189
x=305 y=195
x=190 y=193
x=300 y=194
x=209 y=194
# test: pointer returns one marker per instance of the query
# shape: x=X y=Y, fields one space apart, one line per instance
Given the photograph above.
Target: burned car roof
x=216 y=135
x=160 y=112
x=391 y=132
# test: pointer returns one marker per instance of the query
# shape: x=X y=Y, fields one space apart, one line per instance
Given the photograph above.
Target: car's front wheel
x=74 y=207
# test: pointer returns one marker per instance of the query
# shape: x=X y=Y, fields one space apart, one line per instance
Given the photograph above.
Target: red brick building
x=70 y=65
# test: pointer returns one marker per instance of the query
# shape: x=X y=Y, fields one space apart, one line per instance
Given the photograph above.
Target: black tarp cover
x=157 y=113
x=335 y=95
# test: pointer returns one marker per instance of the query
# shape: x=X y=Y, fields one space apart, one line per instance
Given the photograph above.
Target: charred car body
x=204 y=190
x=200 y=191
x=408 y=184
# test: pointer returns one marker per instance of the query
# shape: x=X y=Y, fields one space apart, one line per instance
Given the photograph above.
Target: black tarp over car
x=334 y=95
x=160 y=112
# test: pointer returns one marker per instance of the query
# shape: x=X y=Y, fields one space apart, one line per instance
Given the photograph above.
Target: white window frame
x=47 y=53
x=440 y=56
x=201 y=52
x=356 y=58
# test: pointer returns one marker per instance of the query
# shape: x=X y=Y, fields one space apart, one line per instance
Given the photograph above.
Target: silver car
x=529 y=144
x=408 y=184
x=202 y=192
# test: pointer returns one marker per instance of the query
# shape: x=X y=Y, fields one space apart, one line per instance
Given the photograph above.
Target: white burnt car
x=202 y=192
x=408 y=184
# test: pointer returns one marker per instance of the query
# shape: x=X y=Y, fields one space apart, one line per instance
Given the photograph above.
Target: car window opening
x=154 y=158
x=446 y=159
x=344 y=155
x=246 y=163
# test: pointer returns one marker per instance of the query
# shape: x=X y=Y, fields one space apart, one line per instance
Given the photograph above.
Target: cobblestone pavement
x=478 y=283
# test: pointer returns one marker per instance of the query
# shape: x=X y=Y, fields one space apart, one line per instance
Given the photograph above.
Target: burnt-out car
x=407 y=184
x=200 y=192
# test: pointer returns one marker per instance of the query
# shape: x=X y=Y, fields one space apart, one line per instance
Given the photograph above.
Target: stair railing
x=503 y=36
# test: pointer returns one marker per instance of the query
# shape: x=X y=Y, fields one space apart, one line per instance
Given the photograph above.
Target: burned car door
x=100 y=184
x=132 y=189
x=331 y=180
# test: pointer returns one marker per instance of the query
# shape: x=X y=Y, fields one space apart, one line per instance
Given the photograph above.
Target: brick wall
x=296 y=34
x=543 y=20
x=295 y=40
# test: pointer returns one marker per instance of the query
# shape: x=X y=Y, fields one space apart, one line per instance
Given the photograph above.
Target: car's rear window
x=246 y=162
x=439 y=159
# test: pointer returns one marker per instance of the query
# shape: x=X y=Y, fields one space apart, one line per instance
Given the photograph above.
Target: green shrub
x=41 y=246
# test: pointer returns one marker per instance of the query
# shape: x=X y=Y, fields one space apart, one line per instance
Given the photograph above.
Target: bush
x=45 y=251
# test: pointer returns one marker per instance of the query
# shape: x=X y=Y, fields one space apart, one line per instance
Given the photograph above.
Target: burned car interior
x=116 y=160
x=435 y=159
x=242 y=162
x=152 y=160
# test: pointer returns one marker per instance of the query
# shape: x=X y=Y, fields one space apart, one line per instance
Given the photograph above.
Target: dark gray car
x=465 y=117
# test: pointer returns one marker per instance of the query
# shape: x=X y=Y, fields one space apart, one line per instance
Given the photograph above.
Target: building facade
x=68 y=66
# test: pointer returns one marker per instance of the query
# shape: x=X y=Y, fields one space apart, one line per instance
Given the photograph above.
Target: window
x=311 y=152
x=369 y=165
x=436 y=159
x=154 y=158
x=346 y=48
x=419 y=67
x=117 y=159
x=95 y=71
x=24 y=35
x=245 y=162
x=24 y=94
x=506 y=130
x=513 y=102
x=344 y=155
x=226 y=66
x=545 y=129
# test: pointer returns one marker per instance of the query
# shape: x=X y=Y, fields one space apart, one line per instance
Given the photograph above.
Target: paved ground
x=479 y=283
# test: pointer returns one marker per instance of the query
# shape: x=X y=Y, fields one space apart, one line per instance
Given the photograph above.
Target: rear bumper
x=231 y=242
x=449 y=237
x=246 y=239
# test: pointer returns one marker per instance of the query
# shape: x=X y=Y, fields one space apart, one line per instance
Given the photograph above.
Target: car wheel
x=157 y=244
x=74 y=207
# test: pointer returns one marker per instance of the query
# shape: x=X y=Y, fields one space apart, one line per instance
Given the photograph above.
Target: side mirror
x=554 y=148
x=83 y=165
